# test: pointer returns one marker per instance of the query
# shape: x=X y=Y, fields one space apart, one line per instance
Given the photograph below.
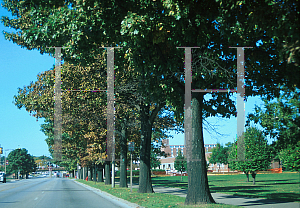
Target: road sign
x=131 y=146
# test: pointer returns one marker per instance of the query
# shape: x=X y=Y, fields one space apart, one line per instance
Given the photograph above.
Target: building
x=167 y=163
x=172 y=150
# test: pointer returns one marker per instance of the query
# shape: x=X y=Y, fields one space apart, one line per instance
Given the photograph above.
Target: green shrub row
x=137 y=172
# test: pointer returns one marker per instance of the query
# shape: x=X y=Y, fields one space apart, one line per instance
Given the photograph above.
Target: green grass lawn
x=153 y=200
x=282 y=186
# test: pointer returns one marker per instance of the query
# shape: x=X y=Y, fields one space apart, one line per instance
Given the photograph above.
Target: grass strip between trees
x=155 y=200
x=276 y=186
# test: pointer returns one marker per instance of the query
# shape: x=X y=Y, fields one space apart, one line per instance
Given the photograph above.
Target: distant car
x=2 y=177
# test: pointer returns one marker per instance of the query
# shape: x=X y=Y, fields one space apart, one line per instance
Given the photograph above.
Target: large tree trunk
x=198 y=189
x=84 y=173
x=253 y=174
x=145 y=185
x=247 y=174
x=100 y=173
x=123 y=156
x=107 y=173
x=95 y=173
x=81 y=173
x=147 y=119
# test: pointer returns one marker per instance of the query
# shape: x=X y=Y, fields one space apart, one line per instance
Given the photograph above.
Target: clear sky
x=18 y=67
x=226 y=127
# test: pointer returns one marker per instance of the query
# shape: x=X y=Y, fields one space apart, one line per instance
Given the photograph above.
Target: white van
x=2 y=177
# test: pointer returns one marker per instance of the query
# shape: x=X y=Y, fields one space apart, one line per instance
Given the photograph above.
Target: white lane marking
x=36 y=198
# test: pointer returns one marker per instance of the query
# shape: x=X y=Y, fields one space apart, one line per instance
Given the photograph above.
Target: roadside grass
x=277 y=186
x=151 y=200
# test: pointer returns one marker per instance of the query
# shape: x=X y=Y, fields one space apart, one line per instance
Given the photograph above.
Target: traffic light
x=1 y=150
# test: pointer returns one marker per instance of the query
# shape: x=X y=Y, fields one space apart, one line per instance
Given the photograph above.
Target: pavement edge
x=112 y=198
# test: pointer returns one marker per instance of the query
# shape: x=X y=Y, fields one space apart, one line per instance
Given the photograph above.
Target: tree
x=155 y=162
x=161 y=27
x=281 y=121
x=280 y=118
x=257 y=153
x=180 y=163
x=219 y=155
x=20 y=161
x=290 y=157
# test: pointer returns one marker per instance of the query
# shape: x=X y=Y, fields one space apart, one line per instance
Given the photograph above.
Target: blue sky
x=20 y=130
x=18 y=67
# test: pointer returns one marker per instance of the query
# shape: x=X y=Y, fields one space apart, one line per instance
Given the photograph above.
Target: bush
x=134 y=173
x=158 y=172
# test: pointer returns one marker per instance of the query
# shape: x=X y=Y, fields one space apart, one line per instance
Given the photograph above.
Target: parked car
x=2 y=177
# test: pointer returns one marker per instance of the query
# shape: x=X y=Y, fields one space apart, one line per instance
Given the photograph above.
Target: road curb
x=113 y=199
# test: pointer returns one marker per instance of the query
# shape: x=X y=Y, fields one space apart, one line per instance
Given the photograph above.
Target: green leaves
x=256 y=150
x=290 y=157
x=280 y=118
x=20 y=160
x=219 y=155
x=180 y=163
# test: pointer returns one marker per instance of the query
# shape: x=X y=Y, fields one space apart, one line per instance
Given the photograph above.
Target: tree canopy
x=257 y=153
x=20 y=160
x=219 y=155
x=280 y=118
x=180 y=163
x=150 y=31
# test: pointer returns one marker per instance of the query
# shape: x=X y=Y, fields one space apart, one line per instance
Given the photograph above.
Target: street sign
x=131 y=146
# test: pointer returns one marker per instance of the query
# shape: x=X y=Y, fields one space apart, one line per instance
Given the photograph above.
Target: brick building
x=172 y=151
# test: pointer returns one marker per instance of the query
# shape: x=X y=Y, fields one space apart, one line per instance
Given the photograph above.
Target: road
x=49 y=192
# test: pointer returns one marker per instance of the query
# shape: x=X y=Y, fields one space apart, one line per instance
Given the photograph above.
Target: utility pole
x=1 y=152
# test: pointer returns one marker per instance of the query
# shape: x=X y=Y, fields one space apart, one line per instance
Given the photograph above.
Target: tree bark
x=100 y=173
x=123 y=156
x=253 y=176
x=84 y=174
x=145 y=185
x=90 y=170
x=94 y=174
x=247 y=174
x=107 y=173
x=198 y=189
x=81 y=173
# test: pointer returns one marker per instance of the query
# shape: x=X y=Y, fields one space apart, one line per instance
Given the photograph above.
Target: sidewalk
x=229 y=199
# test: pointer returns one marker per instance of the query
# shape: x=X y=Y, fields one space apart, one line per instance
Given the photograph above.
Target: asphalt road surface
x=49 y=192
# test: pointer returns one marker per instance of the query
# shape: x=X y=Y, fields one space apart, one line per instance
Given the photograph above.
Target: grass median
x=153 y=200
x=279 y=186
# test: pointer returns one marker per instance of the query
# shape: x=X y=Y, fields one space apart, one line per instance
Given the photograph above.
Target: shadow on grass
x=168 y=183
x=252 y=192
x=271 y=180
x=258 y=201
x=243 y=189
x=289 y=197
x=283 y=183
